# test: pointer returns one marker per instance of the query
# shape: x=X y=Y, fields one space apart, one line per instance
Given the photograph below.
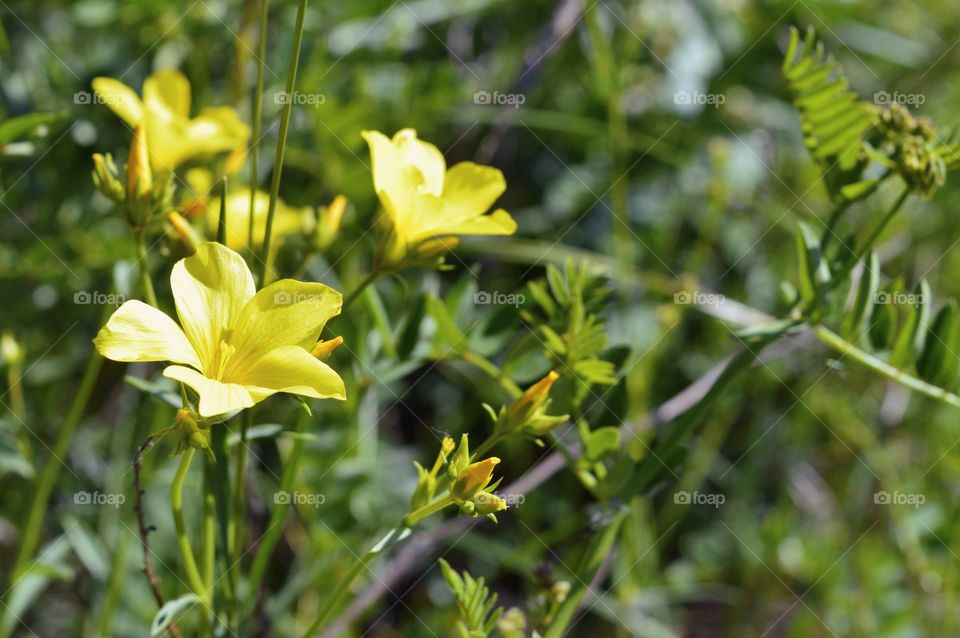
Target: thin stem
x=239 y=490
x=183 y=541
x=261 y=559
x=864 y=248
x=209 y=527
x=142 y=527
x=334 y=600
x=494 y=371
x=355 y=293
x=418 y=515
x=883 y=368
x=145 y=281
x=282 y=141
x=257 y=107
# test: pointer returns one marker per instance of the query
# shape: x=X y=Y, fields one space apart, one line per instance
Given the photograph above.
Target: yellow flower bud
x=473 y=479
x=436 y=246
x=11 y=351
x=487 y=503
x=324 y=349
x=139 y=175
x=107 y=179
x=185 y=232
x=533 y=398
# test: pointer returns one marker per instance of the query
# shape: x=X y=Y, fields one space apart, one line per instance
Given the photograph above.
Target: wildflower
x=329 y=223
x=528 y=414
x=423 y=199
x=287 y=220
x=164 y=112
x=236 y=346
x=470 y=483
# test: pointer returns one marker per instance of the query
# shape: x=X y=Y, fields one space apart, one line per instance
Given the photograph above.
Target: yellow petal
x=385 y=160
x=469 y=190
x=215 y=397
x=168 y=87
x=292 y=369
x=286 y=221
x=285 y=313
x=120 y=98
x=499 y=222
x=138 y=332
x=425 y=157
x=210 y=289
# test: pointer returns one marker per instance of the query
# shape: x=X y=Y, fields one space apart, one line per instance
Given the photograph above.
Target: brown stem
x=148 y=569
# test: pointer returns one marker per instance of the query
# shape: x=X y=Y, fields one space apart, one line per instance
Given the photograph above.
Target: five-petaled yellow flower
x=237 y=346
x=424 y=199
x=174 y=137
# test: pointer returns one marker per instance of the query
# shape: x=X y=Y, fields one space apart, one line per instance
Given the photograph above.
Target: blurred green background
x=605 y=158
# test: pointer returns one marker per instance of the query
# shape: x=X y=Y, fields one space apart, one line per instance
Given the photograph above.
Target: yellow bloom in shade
x=164 y=112
x=287 y=220
x=237 y=346
x=425 y=199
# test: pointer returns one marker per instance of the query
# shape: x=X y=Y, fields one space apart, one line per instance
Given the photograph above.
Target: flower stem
x=418 y=515
x=145 y=281
x=183 y=541
x=282 y=141
x=209 y=528
x=337 y=596
x=257 y=100
x=883 y=368
x=494 y=371
x=356 y=292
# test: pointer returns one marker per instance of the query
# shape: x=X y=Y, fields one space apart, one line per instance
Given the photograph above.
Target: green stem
x=493 y=371
x=847 y=349
x=209 y=527
x=183 y=541
x=867 y=245
x=257 y=99
x=145 y=281
x=433 y=507
x=333 y=602
x=282 y=141
x=264 y=553
x=355 y=293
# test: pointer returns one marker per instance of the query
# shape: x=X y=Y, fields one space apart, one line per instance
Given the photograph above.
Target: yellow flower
x=164 y=111
x=424 y=199
x=237 y=346
x=473 y=479
x=287 y=220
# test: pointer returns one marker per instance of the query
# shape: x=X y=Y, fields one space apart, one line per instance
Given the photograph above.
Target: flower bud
x=532 y=399
x=329 y=224
x=474 y=478
x=10 y=351
x=460 y=459
x=487 y=503
x=185 y=232
x=139 y=175
x=436 y=247
x=106 y=178
x=324 y=349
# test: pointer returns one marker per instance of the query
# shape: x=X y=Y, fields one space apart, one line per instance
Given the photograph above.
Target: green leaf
x=883 y=325
x=863 y=302
x=21 y=126
x=906 y=347
x=448 y=338
x=601 y=443
x=172 y=610
x=812 y=267
x=938 y=362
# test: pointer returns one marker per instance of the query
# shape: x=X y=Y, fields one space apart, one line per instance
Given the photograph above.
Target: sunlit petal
x=138 y=332
x=216 y=397
x=120 y=98
x=294 y=370
x=210 y=288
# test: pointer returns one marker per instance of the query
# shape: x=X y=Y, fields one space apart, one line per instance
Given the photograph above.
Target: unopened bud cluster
x=138 y=194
